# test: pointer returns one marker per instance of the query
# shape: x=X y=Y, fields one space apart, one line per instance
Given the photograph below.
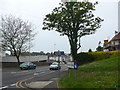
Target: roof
x=116 y=37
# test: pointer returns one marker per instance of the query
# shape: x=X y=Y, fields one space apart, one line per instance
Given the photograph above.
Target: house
x=113 y=44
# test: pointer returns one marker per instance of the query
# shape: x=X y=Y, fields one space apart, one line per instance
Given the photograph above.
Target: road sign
x=75 y=65
x=61 y=52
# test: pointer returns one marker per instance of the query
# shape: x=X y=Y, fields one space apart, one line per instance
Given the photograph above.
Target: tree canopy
x=73 y=19
x=16 y=35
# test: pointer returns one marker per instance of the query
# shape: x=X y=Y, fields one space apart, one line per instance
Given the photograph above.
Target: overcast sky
x=34 y=11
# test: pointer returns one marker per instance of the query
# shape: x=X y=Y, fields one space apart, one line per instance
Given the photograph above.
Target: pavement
x=39 y=84
x=42 y=84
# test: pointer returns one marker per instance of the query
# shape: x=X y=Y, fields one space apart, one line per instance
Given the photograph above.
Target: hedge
x=104 y=55
x=84 y=58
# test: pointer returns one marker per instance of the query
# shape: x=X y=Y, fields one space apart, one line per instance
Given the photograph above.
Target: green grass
x=99 y=74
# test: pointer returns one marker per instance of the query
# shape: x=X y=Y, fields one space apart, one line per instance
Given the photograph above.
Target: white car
x=55 y=66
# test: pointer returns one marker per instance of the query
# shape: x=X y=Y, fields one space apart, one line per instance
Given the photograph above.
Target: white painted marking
x=13 y=72
x=53 y=79
x=4 y=87
x=12 y=84
x=52 y=71
x=40 y=84
x=35 y=73
x=19 y=72
x=42 y=72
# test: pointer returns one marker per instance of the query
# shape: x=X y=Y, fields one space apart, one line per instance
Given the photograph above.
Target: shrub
x=104 y=55
x=84 y=58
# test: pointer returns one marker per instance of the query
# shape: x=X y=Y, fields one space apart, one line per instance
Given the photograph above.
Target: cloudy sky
x=34 y=11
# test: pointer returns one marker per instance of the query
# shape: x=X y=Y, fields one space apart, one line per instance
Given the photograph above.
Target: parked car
x=27 y=65
x=55 y=66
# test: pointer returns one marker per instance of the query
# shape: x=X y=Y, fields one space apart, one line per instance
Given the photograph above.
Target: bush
x=104 y=55
x=84 y=58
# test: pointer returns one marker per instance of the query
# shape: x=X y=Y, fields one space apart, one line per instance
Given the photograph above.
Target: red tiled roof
x=116 y=37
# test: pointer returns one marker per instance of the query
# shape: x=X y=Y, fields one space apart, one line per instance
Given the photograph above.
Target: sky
x=34 y=11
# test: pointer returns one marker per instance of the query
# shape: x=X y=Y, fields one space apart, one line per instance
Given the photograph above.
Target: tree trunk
x=74 y=53
x=18 y=59
x=73 y=46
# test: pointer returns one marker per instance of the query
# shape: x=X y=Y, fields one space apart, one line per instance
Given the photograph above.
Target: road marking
x=35 y=74
x=19 y=72
x=13 y=72
x=12 y=84
x=19 y=83
x=54 y=79
x=42 y=72
x=39 y=84
x=4 y=87
x=52 y=71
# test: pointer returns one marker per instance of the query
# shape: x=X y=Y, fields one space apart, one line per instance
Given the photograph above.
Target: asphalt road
x=44 y=78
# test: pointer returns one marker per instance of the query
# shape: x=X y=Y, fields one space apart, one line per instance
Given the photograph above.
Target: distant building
x=113 y=44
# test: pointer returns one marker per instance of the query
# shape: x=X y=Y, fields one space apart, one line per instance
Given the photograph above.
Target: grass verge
x=98 y=74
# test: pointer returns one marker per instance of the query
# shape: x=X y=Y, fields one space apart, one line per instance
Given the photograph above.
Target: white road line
x=12 y=84
x=35 y=73
x=13 y=72
x=42 y=72
x=19 y=72
x=52 y=71
x=4 y=87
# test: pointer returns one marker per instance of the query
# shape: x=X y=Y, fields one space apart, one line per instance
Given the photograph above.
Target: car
x=27 y=65
x=55 y=66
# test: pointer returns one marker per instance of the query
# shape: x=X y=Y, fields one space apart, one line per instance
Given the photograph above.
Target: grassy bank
x=98 y=74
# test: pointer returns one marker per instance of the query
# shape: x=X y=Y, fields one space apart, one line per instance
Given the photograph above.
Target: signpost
x=75 y=68
x=75 y=65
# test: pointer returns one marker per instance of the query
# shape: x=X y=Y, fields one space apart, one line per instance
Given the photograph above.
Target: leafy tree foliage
x=90 y=50
x=99 y=48
x=73 y=19
x=16 y=35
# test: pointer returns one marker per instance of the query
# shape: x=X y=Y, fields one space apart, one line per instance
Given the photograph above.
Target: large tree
x=16 y=35
x=73 y=19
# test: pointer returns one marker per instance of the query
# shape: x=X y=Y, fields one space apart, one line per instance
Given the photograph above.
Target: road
x=16 y=78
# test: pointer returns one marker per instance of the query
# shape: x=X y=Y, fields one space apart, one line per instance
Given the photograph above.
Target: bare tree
x=16 y=35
